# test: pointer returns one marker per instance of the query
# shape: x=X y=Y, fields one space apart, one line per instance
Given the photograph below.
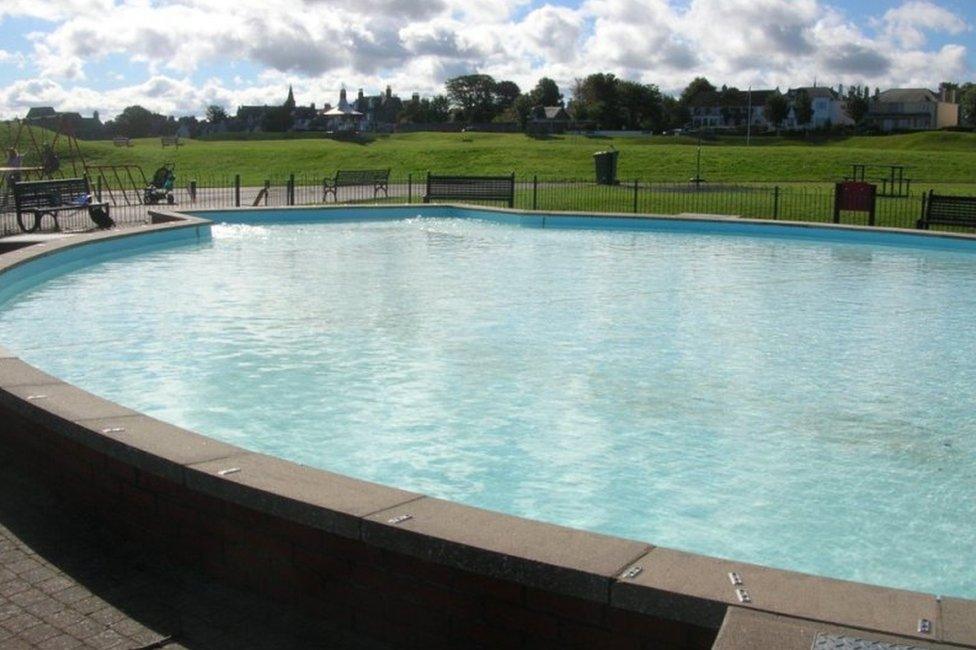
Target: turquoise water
x=797 y=404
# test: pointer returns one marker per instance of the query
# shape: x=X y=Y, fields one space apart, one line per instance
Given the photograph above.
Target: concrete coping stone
x=564 y=560
x=708 y=588
x=628 y=574
x=746 y=629
x=318 y=498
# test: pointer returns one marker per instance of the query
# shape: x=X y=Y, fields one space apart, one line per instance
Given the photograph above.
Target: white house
x=829 y=108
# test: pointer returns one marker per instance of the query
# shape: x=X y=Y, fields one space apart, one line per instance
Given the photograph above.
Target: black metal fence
x=786 y=201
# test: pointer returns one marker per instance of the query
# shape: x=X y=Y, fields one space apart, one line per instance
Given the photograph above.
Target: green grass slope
x=932 y=158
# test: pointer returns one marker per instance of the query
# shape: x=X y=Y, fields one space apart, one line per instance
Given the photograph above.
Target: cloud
x=907 y=24
x=251 y=51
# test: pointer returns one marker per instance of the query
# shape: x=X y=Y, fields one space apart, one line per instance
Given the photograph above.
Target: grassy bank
x=932 y=158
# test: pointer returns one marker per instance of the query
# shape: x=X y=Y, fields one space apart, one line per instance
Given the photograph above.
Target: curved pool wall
x=399 y=566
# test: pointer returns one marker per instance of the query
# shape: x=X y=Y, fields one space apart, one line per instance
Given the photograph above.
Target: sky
x=179 y=56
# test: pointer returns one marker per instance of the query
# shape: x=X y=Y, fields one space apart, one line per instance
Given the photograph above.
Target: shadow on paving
x=67 y=583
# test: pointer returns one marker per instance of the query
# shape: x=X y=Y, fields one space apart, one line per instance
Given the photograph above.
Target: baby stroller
x=161 y=186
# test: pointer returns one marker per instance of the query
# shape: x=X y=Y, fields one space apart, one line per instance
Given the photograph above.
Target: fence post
x=267 y=191
x=410 y=187
x=193 y=191
x=290 y=199
x=237 y=190
x=635 y=195
x=98 y=188
x=535 y=192
x=776 y=202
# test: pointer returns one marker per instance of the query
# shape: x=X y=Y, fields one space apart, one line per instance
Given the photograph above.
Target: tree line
x=601 y=99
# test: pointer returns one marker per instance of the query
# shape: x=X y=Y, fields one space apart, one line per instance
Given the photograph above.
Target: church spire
x=290 y=102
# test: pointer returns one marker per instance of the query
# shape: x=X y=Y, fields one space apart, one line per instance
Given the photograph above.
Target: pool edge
x=150 y=461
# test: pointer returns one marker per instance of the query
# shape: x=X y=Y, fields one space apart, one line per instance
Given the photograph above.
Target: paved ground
x=65 y=583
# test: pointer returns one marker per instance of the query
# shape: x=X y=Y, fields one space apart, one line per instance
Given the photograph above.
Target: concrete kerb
x=624 y=574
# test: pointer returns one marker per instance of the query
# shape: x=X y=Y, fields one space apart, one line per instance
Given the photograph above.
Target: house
x=549 y=119
x=913 y=109
x=379 y=111
x=729 y=108
x=256 y=118
x=86 y=128
x=829 y=108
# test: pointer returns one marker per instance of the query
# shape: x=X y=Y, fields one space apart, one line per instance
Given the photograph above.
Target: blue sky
x=178 y=56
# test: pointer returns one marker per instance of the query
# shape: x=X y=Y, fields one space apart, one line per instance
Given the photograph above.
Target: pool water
x=799 y=404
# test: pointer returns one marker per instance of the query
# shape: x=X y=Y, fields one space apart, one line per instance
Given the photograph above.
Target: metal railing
x=785 y=201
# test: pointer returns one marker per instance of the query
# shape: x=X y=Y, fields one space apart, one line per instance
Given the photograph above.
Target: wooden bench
x=40 y=198
x=171 y=141
x=943 y=210
x=378 y=178
x=121 y=141
x=471 y=188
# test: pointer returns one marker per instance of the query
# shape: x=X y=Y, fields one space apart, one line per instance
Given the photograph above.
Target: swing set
x=48 y=155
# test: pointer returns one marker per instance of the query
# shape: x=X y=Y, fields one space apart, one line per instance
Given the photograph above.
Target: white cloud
x=414 y=45
x=906 y=25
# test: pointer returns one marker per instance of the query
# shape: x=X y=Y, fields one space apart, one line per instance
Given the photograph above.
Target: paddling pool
x=798 y=397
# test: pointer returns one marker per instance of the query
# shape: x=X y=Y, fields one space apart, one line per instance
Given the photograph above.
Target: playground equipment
x=55 y=154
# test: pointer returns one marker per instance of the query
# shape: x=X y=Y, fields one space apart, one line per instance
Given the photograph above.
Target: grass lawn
x=934 y=159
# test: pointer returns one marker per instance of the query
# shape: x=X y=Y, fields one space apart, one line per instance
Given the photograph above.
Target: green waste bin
x=606 y=167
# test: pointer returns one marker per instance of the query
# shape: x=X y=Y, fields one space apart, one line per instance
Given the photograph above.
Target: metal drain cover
x=839 y=642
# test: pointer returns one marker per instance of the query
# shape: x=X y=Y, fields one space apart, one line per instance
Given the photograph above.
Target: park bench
x=943 y=210
x=121 y=141
x=471 y=188
x=40 y=198
x=170 y=141
x=377 y=178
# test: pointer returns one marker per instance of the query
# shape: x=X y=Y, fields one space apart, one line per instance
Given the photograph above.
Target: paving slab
x=330 y=502
x=693 y=587
x=566 y=560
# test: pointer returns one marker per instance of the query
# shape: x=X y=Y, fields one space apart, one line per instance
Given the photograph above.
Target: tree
x=674 y=114
x=857 y=103
x=777 y=109
x=546 y=93
x=640 y=105
x=803 y=108
x=216 y=114
x=473 y=95
x=697 y=85
x=967 y=104
x=522 y=108
x=440 y=109
x=506 y=92
x=595 y=98
x=135 y=122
